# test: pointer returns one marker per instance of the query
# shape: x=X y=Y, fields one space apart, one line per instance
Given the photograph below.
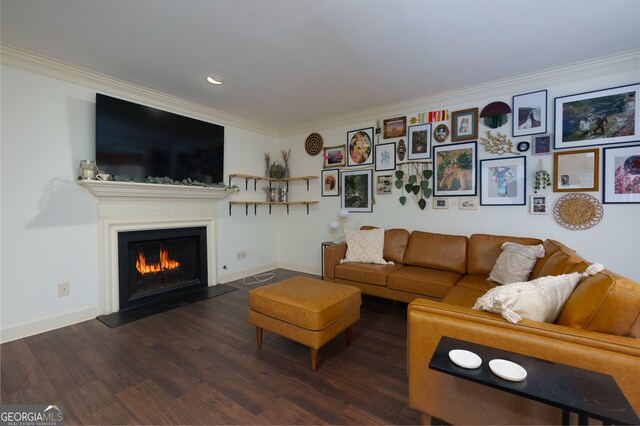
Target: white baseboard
x=314 y=270
x=232 y=276
x=47 y=324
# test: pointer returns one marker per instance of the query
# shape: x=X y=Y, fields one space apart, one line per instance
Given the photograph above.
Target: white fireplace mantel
x=129 y=206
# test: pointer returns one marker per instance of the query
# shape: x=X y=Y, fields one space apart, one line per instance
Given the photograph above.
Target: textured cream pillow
x=515 y=263
x=365 y=246
x=540 y=300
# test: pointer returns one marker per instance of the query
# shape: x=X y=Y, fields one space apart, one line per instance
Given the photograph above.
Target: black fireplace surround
x=161 y=263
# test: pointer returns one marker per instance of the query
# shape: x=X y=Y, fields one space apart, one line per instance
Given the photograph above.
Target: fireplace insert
x=160 y=263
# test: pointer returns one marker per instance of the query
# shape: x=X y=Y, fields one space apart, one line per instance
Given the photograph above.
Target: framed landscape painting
x=530 y=113
x=357 y=188
x=454 y=170
x=621 y=175
x=334 y=156
x=597 y=118
x=503 y=181
x=395 y=127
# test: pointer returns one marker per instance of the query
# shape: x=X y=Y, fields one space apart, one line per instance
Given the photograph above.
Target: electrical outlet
x=64 y=289
x=241 y=255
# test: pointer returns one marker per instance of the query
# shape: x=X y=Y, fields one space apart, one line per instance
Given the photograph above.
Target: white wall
x=613 y=242
x=49 y=223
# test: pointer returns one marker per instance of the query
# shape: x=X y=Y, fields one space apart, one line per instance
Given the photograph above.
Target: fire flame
x=165 y=263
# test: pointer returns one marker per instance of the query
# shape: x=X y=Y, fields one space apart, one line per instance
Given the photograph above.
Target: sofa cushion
x=364 y=246
x=476 y=282
x=427 y=281
x=464 y=297
x=439 y=251
x=395 y=243
x=515 y=263
x=605 y=302
x=558 y=259
x=365 y=272
x=484 y=250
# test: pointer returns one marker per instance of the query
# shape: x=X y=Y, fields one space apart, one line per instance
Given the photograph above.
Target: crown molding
x=54 y=68
x=627 y=60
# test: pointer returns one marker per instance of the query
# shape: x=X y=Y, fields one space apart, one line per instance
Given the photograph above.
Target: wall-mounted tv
x=139 y=141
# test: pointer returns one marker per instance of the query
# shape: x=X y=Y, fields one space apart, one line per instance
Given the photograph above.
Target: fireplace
x=160 y=263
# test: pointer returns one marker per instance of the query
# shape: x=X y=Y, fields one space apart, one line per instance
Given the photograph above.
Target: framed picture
x=419 y=142
x=333 y=156
x=440 y=203
x=503 y=181
x=455 y=169
x=360 y=145
x=357 y=190
x=541 y=145
x=470 y=203
x=530 y=113
x=576 y=170
x=395 y=127
x=464 y=125
x=538 y=204
x=441 y=133
x=330 y=183
x=383 y=184
x=621 y=175
x=597 y=118
x=385 y=156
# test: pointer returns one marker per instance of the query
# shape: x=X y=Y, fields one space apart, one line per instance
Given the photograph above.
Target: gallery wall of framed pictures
x=589 y=147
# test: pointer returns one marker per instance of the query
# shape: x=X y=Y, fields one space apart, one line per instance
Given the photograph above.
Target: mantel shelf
x=113 y=191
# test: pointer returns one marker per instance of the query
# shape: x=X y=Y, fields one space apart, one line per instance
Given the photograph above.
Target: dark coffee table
x=588 y=393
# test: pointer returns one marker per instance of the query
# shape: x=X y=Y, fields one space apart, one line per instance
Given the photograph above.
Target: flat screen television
x=139 y=141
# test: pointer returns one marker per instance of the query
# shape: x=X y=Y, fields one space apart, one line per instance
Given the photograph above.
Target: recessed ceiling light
x=215 y=79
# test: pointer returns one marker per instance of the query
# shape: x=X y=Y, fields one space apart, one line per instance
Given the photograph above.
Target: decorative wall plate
x=523 y=146
x=441 y=133
x=401 y=150
x=578 y=211
x=313 y=144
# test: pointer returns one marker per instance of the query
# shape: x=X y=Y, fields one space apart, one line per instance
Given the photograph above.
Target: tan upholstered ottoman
x=305 y=310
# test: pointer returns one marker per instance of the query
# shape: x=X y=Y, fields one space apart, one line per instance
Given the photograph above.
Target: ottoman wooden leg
x=349 y=335
x=314 y=359
x=259 y=337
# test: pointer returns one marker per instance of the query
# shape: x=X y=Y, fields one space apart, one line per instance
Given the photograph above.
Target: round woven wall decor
x=578 y=211
x=313 y=144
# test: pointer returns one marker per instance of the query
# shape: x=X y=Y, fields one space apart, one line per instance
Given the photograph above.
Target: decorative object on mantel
x=578 y=211
x=313 y=144
x=87 y=170
x=498 y=145
x=414 y=178
x=495 y=115
x=285 y=156
x=401 y=150
x=267 y=161
x=168 y=181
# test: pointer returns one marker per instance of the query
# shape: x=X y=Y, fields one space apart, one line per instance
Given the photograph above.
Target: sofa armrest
x=332 y=256
x=440 y=395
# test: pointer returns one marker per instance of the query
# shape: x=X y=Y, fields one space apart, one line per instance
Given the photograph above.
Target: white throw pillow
x=540 y=300
x=515 y=263
x=365 y=246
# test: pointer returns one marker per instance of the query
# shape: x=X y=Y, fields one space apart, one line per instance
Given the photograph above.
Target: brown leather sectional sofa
x=441 y=276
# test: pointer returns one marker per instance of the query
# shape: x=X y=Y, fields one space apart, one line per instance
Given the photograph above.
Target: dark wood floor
x=199 y=364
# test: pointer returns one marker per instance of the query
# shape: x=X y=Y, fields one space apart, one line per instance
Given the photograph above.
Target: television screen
x=139 y=141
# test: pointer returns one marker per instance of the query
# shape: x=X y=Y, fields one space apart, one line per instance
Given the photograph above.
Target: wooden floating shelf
x=255 y=179
x=270 y=204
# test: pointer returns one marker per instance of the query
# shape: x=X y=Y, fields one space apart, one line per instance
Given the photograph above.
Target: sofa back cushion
x=485 y=249
x=558 y=259
x=605 y=302
x=439 y=251
x=395 y=243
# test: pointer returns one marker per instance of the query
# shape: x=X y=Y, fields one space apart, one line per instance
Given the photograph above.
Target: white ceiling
x=290 y=62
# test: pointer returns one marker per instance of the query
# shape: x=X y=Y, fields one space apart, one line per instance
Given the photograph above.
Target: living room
x=50 y=223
